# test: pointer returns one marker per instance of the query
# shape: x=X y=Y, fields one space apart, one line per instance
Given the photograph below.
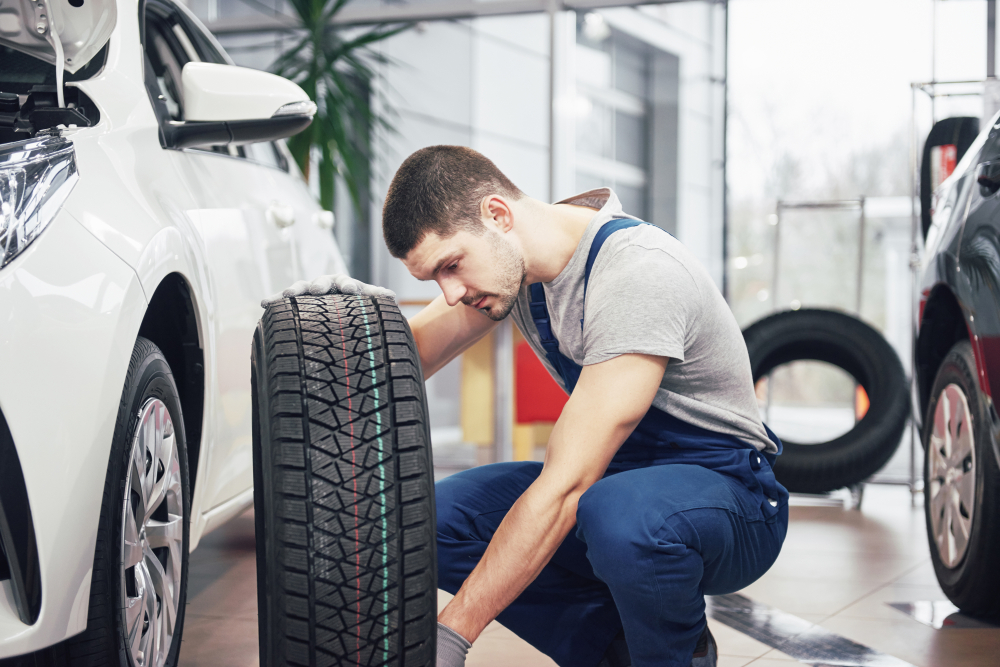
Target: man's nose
x=453 y=291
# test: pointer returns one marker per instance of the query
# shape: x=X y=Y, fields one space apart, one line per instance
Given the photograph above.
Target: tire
x=967 y=573
x=149 y=422
x=861 y=351
x=343 y=486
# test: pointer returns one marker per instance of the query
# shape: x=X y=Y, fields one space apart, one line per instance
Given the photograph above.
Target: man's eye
x=453 y=266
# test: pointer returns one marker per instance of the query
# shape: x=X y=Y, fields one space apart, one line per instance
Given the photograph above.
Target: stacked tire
x=343 y=486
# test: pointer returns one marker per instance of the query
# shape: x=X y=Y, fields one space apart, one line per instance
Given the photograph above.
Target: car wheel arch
x=943 y=323
x=171 y=321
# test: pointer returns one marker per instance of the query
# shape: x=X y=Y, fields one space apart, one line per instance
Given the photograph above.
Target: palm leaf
x=336 y=68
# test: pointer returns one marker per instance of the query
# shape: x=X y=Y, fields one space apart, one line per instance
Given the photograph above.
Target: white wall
x=484 y=83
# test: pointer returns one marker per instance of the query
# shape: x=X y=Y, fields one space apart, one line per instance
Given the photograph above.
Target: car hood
x=82 y=26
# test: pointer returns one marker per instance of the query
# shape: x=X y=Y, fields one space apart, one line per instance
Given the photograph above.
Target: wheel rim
x=152 y=538
x=952 y=475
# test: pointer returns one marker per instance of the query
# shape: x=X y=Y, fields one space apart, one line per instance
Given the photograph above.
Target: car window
x=167 y=56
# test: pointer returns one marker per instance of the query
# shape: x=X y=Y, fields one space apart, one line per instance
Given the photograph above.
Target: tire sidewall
x=961 y=582
x=152 y=379
x=852 y=345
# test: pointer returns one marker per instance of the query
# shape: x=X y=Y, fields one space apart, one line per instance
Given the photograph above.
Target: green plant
x=335 y=68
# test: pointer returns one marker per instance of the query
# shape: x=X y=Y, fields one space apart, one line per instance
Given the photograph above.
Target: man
x=656 y=487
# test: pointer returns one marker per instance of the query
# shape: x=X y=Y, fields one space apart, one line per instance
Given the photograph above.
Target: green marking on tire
x=381 y=486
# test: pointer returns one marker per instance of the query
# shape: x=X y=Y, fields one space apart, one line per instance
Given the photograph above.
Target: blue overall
x=681 y=512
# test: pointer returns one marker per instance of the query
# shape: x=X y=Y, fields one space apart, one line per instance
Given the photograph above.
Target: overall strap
x=606 y=230
x=567 y=368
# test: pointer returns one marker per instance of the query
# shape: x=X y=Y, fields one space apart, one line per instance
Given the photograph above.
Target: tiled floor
x=838 y=568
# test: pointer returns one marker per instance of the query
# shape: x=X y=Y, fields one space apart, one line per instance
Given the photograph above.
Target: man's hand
x=451 y=647
x=339 y=283
x=608 y=402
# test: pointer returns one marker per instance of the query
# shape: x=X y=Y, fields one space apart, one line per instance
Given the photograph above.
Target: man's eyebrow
x=447 y=258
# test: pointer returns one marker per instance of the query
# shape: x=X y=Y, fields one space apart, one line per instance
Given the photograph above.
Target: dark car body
x=958 y=278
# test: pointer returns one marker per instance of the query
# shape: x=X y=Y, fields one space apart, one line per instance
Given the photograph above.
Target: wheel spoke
x=164 y=533
x=154 y=477
x=134 y=608
x=132 y=547
x=164 y=588
x=966 y=486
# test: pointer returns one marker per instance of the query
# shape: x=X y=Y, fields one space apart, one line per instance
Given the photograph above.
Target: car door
x=979 y=262
x=242 y=226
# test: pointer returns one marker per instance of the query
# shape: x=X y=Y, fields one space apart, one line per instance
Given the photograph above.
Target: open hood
x=82 y=26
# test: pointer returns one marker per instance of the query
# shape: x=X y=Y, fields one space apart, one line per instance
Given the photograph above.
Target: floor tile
x=735 y=644
x=733 y=661
x=801 y=597
x=875 y=605
x=219 y=642
x=921 y=645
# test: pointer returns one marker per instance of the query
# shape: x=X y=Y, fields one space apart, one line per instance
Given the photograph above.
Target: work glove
x=451 y=647
x=338 y=283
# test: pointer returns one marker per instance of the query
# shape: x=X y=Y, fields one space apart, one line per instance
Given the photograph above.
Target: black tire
x=972 y=582
x=861 y=351
x=103 y=642
x=343 y=486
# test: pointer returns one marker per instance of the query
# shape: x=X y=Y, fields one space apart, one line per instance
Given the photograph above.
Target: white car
x=145 y=210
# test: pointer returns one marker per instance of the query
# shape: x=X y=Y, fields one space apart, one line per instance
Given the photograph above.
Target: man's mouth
x=479 y=304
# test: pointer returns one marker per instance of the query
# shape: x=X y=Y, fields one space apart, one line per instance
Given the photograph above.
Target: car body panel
x=962 y=258
x=140 y=213
x=70 y=296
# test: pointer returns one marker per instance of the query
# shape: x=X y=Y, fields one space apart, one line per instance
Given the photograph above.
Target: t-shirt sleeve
x=640 y=300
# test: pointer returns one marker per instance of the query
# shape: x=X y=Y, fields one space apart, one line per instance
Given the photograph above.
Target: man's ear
x=496 y=213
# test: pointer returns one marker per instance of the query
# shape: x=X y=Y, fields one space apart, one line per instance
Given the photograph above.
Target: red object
x=943 y=161
x=539 y=398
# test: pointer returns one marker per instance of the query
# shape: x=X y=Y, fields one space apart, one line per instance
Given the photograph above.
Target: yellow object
x=477 y=393
x=527 y=437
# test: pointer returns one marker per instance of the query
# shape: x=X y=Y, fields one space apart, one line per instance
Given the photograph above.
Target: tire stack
x=343 y=486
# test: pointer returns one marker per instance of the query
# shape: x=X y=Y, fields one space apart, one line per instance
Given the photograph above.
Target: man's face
x=484 y=272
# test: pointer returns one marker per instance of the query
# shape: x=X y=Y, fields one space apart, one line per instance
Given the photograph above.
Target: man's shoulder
x=646 y=248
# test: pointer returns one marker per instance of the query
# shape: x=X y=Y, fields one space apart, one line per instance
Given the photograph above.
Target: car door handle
x=324 y=219
x=280 y=215
x=988 y=177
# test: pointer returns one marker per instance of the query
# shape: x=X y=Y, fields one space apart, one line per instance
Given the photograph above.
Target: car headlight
x=36 y=176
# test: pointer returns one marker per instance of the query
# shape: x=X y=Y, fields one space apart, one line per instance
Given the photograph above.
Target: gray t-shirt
x=649 y=295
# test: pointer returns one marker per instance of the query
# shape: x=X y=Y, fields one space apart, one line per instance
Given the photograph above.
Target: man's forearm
x=523 y=544
x=443 y=332
x=607 y=403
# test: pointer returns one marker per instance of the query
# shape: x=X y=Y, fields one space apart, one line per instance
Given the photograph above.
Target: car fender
x=71 y=310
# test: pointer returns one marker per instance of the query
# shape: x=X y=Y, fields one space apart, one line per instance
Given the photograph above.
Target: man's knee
x=614 y=537
x=461 y=499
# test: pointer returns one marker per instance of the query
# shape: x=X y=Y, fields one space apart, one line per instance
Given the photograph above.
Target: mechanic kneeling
x=657 y=486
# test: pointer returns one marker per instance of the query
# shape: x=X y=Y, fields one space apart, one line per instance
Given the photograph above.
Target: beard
x=509 y=275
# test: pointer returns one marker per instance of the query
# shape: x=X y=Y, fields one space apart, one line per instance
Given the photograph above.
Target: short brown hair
x=439 y=189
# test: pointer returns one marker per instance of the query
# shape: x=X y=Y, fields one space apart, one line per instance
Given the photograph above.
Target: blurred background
x=775 y=138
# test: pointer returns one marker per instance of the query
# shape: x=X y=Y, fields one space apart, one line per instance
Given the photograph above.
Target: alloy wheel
x=152 y=538
x=952 y=475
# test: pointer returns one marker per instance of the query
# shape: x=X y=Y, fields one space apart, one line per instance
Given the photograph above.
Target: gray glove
x=451 y=647
x=339 y=283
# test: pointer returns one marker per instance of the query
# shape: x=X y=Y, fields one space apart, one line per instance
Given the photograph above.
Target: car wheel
x=961 y=487
x=343 y=486
x=138 y=589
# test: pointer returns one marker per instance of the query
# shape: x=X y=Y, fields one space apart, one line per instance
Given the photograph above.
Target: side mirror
x=988 y=177
x=226 y=104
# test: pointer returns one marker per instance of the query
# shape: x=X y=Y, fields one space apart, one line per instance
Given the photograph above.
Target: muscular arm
x=443 y=332
x=607 y=404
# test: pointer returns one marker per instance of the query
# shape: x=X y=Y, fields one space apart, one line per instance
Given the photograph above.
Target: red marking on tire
x=357 y=566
